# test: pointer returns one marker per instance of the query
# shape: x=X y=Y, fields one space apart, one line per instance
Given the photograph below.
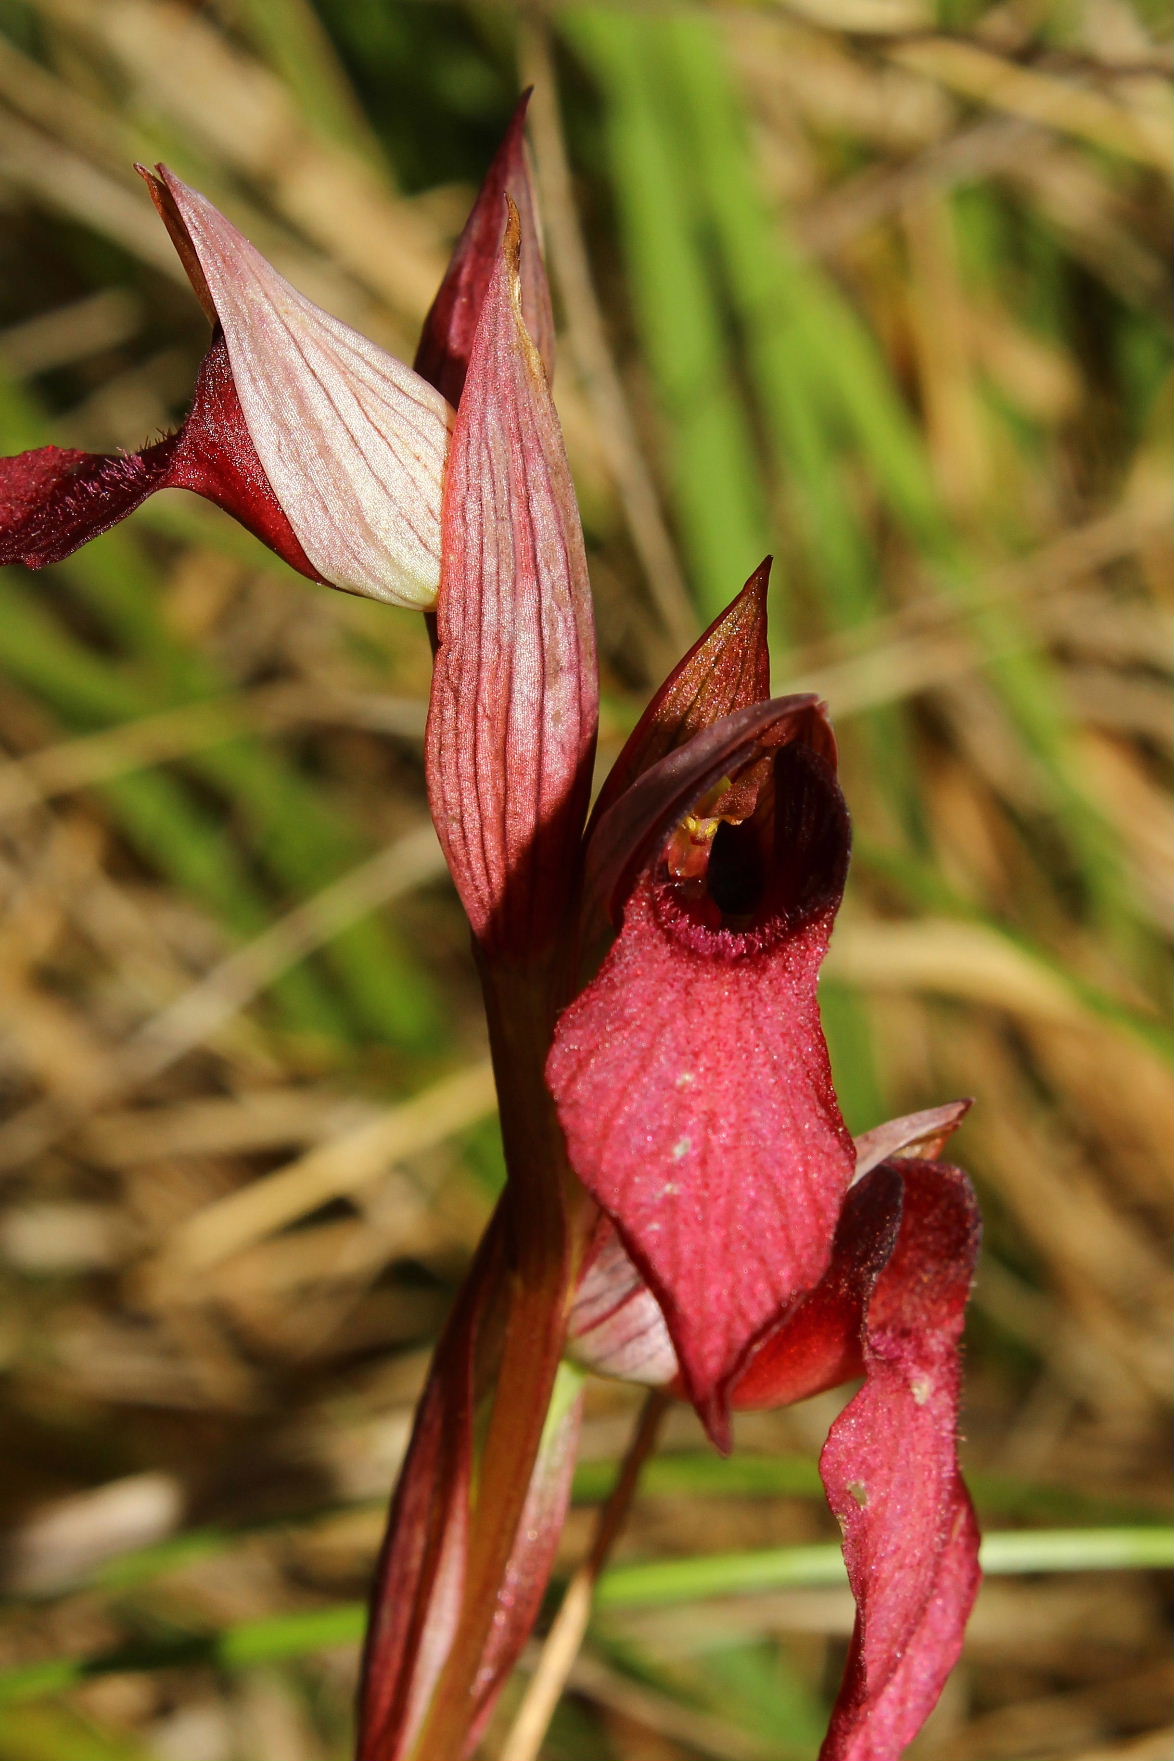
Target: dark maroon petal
x=890 y=1468
x=727 y=668
x=511 y=723
x=637 y=825
x=692 y=1079
x=820 y=1344
x=55 y=499
x=443 y=355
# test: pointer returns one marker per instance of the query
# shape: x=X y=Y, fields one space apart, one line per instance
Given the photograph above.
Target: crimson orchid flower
x=685 y=1207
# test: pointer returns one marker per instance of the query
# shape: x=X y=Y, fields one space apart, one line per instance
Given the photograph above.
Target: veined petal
x=54 y=499
x=615 y=1326
x=419 y=1581
x=691 y=1076
x=443 y=355
x=890 y=1468
x=923 y=1135
x=540 y=1530
x=352 y=441
x=727 y=668
x=512 y=715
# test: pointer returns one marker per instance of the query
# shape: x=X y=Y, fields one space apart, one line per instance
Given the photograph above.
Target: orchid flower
x=685 y=1207
x=327 y=448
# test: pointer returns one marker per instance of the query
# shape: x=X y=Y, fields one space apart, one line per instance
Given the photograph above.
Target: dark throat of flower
x=757 y=856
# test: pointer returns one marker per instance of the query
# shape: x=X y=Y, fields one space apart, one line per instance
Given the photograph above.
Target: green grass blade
x=281 y=1637
x=1009 y=1554
x=716 y=480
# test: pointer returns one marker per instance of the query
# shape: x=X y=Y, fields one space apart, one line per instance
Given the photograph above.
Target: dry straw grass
x=878 y=289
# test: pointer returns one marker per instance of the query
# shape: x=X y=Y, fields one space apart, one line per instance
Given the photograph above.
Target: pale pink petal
x=923 y=1134
x=615 y=1326
x=352 y=441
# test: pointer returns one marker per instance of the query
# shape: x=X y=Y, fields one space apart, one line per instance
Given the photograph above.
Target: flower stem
x=570 y=1623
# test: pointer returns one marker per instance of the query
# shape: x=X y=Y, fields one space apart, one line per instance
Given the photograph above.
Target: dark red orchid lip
x=691 y=1074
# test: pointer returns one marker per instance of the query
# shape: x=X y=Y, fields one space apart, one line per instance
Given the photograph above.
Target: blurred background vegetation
x=875 y=285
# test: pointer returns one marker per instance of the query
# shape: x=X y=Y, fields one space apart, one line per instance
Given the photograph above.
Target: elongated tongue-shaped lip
x=352 y=441
x=890 y=1308
x=890 y=1467
x=55 y=499
x=691 y=1075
